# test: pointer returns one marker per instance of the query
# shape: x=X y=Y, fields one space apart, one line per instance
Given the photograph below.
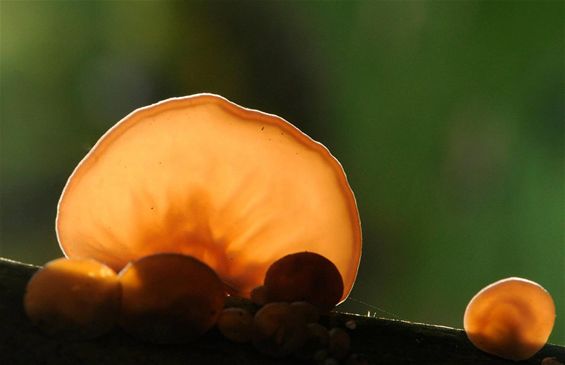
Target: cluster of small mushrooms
x=171 y=298
x=217 y=215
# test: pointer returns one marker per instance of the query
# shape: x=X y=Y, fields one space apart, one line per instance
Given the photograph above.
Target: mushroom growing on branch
x=511 y=318
x=74 y=299
x=169 y=298
x=235 y=188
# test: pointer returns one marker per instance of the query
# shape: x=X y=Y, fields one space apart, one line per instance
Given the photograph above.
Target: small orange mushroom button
x=201 y=176
x=511 y=318
x=74 y=298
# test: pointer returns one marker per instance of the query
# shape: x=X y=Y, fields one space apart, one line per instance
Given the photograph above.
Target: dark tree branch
x=383 y=341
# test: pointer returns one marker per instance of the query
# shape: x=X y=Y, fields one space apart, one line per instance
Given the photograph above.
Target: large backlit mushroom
x=235 y=188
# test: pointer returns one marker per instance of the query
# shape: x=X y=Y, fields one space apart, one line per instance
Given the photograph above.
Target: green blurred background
x=448 y=118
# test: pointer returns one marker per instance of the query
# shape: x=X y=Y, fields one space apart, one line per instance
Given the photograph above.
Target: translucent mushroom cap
x=511 y=318
x=199 y=175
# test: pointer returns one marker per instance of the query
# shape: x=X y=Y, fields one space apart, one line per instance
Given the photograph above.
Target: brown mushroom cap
x=304 y=276
x=169 y=298
x=511 y=318
x=236 y=188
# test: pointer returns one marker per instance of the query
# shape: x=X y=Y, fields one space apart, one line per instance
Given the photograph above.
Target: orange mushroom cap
x=199 y=175
x=511 y=318
x=76 y=298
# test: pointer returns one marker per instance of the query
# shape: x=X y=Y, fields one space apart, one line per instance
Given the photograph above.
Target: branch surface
x=383 y=341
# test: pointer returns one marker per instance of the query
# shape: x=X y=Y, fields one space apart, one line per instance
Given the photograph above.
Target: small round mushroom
x=199 y=175
x=169 y=298
x=73 y=298
x=305 y=276
x=236 y=324
x=511 y=318
x=278 y=333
